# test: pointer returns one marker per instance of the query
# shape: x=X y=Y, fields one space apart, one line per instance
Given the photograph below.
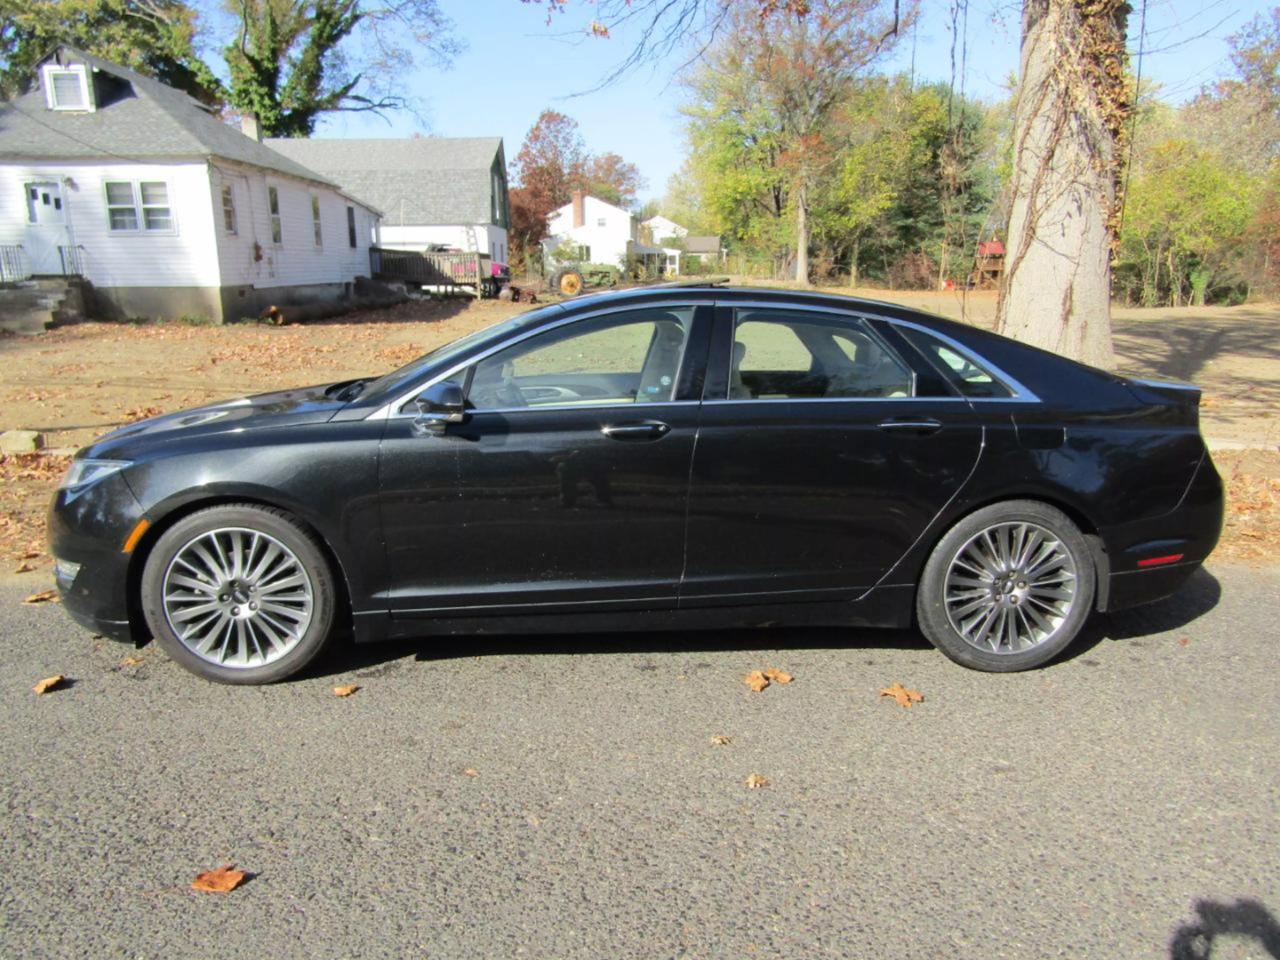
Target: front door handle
x=642 y=430
x=920 y=427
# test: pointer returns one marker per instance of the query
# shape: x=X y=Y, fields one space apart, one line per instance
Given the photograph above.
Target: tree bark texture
x=1069 y=141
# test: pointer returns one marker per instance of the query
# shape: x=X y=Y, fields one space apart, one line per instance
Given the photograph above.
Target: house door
x=46 y=227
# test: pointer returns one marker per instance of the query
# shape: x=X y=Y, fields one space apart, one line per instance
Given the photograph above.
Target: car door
x=826 y=447
x=565 y=487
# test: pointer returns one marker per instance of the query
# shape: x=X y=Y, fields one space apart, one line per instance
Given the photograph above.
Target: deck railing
x=431 y=269
x=15 y=265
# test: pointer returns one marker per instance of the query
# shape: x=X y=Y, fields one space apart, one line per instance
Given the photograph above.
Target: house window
x=156 y=212
x=602 y=222
x=67 y=88
x=122 y=213
x=228 y=208
x=145 y=204
x=584 y=253
x=351 y=227
x=315 y=220
x=273 y=207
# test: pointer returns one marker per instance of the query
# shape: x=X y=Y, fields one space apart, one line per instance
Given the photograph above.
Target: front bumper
x=87 y=531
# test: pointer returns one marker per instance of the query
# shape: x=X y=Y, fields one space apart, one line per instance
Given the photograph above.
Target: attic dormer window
x=67 y=88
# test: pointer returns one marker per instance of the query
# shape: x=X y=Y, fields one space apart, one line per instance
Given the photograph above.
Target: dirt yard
x=75 y=383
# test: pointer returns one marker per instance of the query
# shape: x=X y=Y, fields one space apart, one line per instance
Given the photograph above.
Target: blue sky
x=515 y=65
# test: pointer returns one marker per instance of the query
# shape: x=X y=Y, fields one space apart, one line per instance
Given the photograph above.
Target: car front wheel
x=239 y=594
x=1007 y=588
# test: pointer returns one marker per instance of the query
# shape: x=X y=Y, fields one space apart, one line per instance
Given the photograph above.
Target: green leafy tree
x=155 y=37
x=1187 y=218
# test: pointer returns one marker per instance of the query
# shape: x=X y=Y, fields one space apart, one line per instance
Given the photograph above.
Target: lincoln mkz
x=670 y=457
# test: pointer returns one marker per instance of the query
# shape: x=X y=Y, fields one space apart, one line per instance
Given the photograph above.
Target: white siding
x=185 y=256
x=608 y=240
x=490 y=239
x=249 y=257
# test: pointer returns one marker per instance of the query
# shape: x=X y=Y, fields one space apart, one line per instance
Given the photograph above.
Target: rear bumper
x=1189 y=531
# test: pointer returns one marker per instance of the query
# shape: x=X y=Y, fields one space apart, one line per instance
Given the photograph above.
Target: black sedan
x=670 y=457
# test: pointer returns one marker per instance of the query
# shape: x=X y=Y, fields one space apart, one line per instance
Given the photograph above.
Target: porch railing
x=72 y=263
x=431 y=269
x=15 y=265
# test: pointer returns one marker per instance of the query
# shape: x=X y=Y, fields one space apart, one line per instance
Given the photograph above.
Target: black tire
x=938 y=622
x=273 y=529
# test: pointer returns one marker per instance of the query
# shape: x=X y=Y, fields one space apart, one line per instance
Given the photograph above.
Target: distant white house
x=680 y=250
x=599 y=232
x=432 y=191
x=162 y=207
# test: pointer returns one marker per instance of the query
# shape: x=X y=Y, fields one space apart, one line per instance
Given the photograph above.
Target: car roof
x=717 y=289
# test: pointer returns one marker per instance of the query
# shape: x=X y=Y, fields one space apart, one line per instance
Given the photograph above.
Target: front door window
x=620 y=359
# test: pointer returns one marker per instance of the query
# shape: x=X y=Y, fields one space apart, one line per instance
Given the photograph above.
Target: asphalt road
x=1123 y=803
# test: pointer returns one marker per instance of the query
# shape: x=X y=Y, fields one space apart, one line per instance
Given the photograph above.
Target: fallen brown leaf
x=756 y=781
x=346 y=690
x=44 y=596
x=49 y=683
x=1183 y=641
x=778 y=676
x=24 y=567
x=756 y=680
x=132 y=661
x=222 y=880
x=720 y=740
x=900 y=693
x=471 y=772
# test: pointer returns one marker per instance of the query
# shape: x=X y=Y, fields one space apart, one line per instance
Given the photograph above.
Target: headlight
x=84 y=472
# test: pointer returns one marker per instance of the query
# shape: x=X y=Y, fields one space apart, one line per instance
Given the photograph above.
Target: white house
x=432 y=191
x=599 y=232
x=681 y=251
x=660 y=228
x=164 y=209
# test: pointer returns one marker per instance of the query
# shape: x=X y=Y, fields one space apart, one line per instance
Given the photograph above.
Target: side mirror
x=438 y=406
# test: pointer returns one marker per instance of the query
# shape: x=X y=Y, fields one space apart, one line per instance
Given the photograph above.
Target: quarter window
x=273 y=207
x=351 y=227
x=624 y=358
x=965 y=373
x=789 y=355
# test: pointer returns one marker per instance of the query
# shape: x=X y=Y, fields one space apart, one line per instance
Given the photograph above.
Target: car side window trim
x=1018 y=392
x=395 y=409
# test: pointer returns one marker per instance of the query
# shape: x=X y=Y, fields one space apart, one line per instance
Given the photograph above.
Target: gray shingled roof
x=149 y=121
x=423 y=181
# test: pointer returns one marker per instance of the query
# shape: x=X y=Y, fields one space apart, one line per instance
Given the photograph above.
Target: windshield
x=389 y=382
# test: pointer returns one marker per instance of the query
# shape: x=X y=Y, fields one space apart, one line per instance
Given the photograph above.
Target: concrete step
x=32 y=306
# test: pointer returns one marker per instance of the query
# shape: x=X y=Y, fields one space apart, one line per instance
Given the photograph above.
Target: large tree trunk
x=1069 y=134
x=802 y=236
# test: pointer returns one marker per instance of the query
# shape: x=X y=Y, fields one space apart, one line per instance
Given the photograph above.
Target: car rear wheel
x=239 y=594
x=1007 y=588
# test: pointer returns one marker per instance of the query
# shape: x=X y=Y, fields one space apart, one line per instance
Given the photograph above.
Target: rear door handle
x=643 y=430
x=920 y=427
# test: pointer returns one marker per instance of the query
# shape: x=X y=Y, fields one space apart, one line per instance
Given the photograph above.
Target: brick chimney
x=249 y=127
x=579 y=209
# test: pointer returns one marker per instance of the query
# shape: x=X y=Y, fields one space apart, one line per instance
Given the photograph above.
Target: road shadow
x=346 y=657
x=1244 y=918
x=1200 y=595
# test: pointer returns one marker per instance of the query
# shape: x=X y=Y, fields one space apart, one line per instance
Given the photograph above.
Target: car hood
x=296 y=407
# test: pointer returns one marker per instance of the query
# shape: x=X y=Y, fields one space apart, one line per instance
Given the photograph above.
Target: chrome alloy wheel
x=1010 y=587
x=238 y=597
